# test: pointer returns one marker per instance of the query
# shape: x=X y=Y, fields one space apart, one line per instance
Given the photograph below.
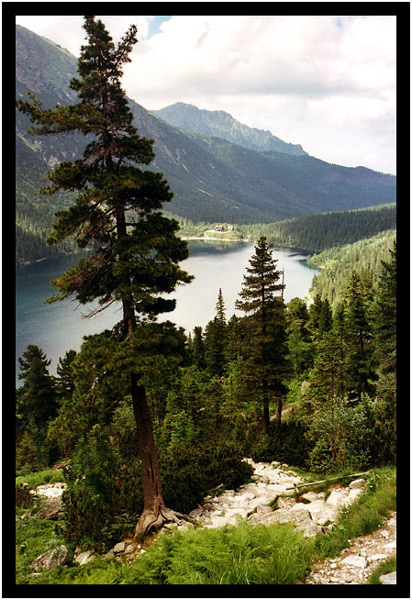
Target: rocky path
x=263 y=501
x=355 y=564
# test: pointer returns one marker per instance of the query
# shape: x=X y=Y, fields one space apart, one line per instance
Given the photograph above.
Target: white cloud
x=323 y=82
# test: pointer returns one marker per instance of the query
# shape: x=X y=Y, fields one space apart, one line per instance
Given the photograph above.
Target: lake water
x=59 y=327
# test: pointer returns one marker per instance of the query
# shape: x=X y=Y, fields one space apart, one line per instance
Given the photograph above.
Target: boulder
x=119 y=548
x=51 y=509
x=388 y=578
x=336 y=499
x=354 y=560
x=52 y=559
x=357 y=484
x=321 y=512
x=84 y=557
x=51 y=490
x=300 y=518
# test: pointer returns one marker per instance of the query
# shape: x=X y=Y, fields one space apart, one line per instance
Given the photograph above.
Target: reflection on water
x=60 y=326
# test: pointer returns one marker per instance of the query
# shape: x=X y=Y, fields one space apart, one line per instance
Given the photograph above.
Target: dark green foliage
x=329 y=230
x=288 y=443
x=24 y=499
x=364 y=256
x=266 y=340
x=215 y=339
x=36 y=406
x=105 y=496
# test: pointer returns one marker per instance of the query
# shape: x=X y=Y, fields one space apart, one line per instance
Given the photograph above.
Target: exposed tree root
x=153 y=520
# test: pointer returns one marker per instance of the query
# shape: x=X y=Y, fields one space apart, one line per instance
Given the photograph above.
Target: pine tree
x=134 y=249
x=360 y=363
x=65 y=372
x=36 y=399
x=267 y=340
x=384 y=319
x=198 y=348
x=215 y=339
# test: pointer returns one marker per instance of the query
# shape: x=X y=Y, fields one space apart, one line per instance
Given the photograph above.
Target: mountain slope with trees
x=211 y=178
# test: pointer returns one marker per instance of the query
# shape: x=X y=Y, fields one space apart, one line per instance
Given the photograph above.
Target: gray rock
x=376 y=557
x=357 y=484
x=54 y=558
x=355 y=561
x=388 y=579
x=51 y=509
x=300 y=518
x=84 y=557
x=390 y=546
x=119 y=548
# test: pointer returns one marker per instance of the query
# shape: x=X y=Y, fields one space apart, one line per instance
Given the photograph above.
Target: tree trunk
x=155 y=513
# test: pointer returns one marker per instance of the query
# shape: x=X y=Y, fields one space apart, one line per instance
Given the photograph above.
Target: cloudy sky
x=327 y=83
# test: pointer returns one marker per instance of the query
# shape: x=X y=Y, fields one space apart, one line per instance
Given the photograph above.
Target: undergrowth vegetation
x=242 y=554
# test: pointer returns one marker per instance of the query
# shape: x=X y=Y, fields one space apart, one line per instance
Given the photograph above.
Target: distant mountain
x=212 y=178
x=217 y=123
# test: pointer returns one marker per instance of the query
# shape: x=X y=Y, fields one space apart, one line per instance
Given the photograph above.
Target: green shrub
x=287 y=443
x=34 y=537
x=104 y=496
x=23 y=497
x=40 y=478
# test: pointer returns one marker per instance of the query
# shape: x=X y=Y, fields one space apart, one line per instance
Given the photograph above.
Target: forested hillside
x=364 y=256
x=318 y=232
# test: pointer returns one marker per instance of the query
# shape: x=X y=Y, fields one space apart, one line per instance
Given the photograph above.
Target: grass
x=34 y=537
x=40 y=478
x=240 y=554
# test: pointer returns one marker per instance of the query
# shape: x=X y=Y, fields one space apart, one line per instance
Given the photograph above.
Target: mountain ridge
x=219 y=123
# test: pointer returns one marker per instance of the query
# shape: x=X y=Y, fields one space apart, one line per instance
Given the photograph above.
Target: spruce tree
x=267 y=340
x=360 y=363
x=134 y=249
x=215 y=339
x=36 y=399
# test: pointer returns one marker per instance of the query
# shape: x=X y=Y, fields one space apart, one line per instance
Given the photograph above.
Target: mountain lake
x=60 y=326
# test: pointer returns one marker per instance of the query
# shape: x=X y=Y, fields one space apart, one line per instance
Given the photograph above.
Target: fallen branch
x=299 y=485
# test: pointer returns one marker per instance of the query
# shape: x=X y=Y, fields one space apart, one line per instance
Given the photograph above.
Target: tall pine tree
x=267 y=340
x=134 y=249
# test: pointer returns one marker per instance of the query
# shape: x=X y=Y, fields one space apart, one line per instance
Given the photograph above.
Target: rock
x=376 y=557
x=353 y=560
x=390 y=546
x=51 y=490
x=335 y=499
x=300 y=518
x=119 y=548
x=321 y=512
x=51 y=509
x=357 y=484
x=353 y=495
x=195 y=513
x=388 y=578
x=309 y=497
x=54 y=558
x=84 y=557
